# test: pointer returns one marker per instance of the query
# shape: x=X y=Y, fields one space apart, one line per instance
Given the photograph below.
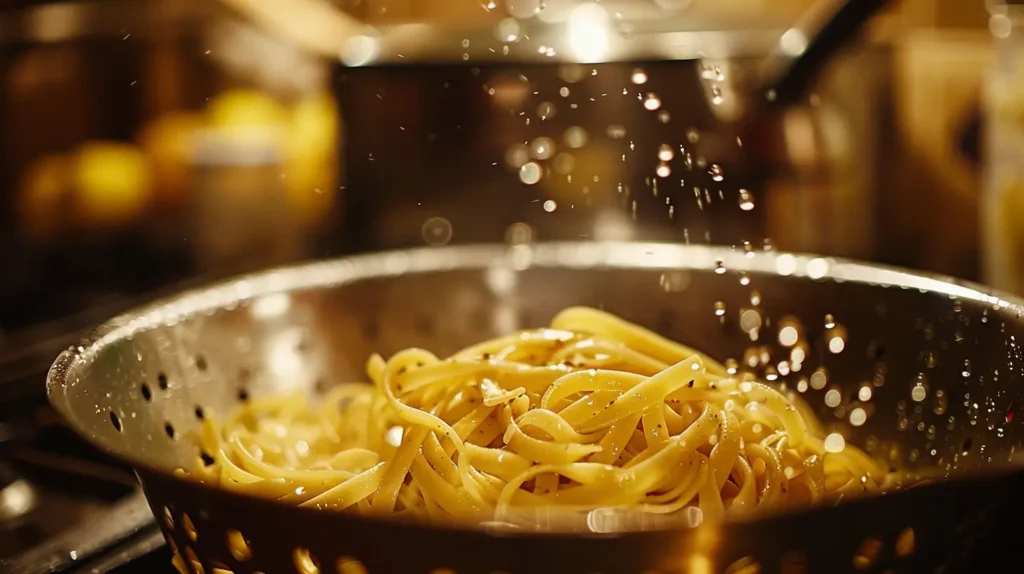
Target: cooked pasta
x=594 y=416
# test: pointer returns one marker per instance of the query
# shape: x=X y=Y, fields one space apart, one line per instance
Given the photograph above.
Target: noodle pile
x=593 y=415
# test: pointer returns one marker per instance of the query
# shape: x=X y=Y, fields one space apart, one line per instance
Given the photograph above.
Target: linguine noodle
x=594 y=416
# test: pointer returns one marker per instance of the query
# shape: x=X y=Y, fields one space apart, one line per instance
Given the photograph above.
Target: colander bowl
x=922 y=372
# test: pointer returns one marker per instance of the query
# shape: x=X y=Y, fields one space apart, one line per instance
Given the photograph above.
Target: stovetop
x=64 y=507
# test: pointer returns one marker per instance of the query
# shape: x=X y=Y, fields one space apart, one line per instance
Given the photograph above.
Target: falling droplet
x=716 y=172
x=693 y=135
x=720 y=310
x=663 y=170
x=716 y=95
x=652 y=101
x=720 y=267
x=746 y=200
x=755 y=298
x=830 y=321
x=639 y=76
x=967 y=368
x=546 y=110
x=744 y=279
x=664 y=117
x=665 y=153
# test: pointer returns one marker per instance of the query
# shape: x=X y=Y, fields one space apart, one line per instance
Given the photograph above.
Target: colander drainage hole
x=115 y=420
x=147 y=394
x=190 y=529
x=161 y=381
x=349 y=565
x=305 y=562
x=744 y=566
x=201 y=363
x=905 y=543
x=794 y=563
x=867 y=554
x=200 y=414
x=171 y=433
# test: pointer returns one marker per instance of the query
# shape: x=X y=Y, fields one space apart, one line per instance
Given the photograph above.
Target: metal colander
x=919 y=371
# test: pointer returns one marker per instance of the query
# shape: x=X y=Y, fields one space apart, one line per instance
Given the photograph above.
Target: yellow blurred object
x=1010 y=232
x=310 y=159
x=111 y=182
x=168 y=143
x=41 y=196
x=245 y=109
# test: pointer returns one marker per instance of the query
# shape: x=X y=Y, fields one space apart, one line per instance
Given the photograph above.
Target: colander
x=920 y=371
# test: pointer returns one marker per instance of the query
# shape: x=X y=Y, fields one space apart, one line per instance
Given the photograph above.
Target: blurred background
x=146 y=145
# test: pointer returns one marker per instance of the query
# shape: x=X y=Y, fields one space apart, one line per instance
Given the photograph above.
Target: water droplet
x=716 y=95
x=941 y=402
x=858 y=417
x=920 y=390
x=693 y=135
x=564 y=163
x=517 y=155
x=663 y=170
x=530 y=173
x=550 y=206
x=833 y=398
x=664 y=117
x=755 y=298
x=508 y=30
x=835 y=443
x=788 y=336
x=836 y=340
x=744 y=278
x=967 y=368
x=616 y=131
x=830 y=321
x=750 y=320
x=546 y=110
x=716 y=172
x=437 y=231
x=639 y=77
x=720 y=309
x=652 y=101
x=720 y=267
x=864 y=393
x=731 y=366
x=819 y=379
x=665 y=153
x=746 y=200
x=519 y=234
x=575 y=137
x=542 y=148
